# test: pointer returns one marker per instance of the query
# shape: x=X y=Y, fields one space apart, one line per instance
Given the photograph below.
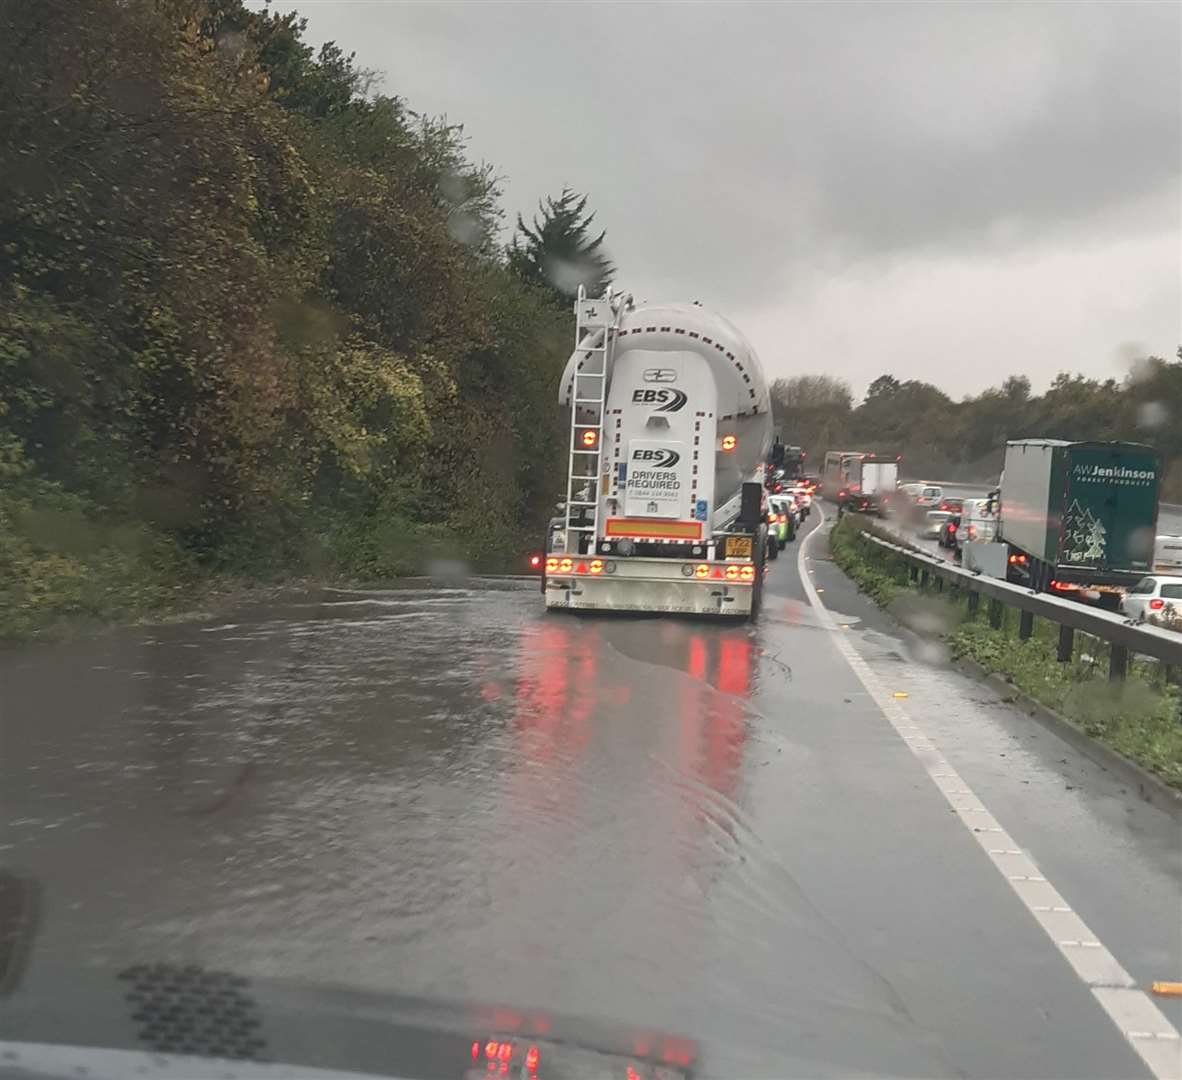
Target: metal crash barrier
x=1123 y=636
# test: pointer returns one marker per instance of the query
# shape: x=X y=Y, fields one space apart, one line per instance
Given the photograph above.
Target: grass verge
x=67 y=568
x=1140 y=718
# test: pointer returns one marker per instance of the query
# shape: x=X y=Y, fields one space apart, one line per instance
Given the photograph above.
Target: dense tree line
x=253 y=314
x=964 y=440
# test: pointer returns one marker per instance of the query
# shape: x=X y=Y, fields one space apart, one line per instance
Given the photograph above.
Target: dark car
x=947 y=537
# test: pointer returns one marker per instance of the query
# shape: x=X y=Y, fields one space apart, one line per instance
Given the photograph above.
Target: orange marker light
x=729 y=442
x=589 y=439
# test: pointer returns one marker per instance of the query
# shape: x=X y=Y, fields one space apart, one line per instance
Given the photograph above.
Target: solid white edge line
x=1137 y=1018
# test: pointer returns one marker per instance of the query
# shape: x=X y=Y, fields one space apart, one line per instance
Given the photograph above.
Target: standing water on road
x=436 y=793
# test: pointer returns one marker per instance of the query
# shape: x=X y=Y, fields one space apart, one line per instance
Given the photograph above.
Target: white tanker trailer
x=671 y=424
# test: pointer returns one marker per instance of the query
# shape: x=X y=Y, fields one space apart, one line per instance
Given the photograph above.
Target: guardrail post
x=996 y=612
x=1026 y=626
x=1118 y=662
x=1066 y=644
x=974 y=602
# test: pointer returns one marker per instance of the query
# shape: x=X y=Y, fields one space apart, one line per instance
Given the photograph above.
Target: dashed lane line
x=1138 y=1019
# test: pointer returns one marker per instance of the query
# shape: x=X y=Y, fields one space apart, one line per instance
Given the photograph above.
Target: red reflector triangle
x=717 y=572
x=581 y=568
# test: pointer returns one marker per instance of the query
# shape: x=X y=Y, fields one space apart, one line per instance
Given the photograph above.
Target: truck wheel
x=757 y=591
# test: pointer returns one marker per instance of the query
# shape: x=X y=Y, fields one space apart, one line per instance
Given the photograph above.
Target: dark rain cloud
x=748 y=153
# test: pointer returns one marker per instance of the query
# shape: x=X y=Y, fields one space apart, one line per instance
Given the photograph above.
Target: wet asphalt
x=707 y=829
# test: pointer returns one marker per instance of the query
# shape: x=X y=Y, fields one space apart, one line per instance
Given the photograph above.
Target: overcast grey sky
x=950 y=192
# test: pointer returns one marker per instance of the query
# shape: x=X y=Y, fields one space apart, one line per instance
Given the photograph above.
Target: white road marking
x=1139 y=1020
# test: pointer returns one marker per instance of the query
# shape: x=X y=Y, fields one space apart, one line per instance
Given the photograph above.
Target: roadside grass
x=1140 y=718
x=68 y=569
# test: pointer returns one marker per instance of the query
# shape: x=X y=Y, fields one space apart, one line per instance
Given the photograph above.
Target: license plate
x=738 y=547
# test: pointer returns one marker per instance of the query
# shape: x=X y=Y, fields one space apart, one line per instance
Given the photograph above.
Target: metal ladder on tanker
x=589 y=397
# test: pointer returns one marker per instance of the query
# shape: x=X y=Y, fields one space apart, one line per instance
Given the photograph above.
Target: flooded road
x=444 y=793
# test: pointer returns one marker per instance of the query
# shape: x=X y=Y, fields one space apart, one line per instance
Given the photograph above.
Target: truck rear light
x=702 y=570
x=732 y=573
x=746 y=573
x=565 y=566
x=1156 y=605
x=596 y=566
x=552 y=565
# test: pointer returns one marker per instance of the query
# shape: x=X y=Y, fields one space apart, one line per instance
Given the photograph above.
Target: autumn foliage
x=252 y=314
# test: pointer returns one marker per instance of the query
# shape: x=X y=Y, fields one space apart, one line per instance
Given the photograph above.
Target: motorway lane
x=706 y=829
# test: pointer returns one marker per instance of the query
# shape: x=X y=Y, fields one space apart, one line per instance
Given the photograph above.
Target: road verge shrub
x=1141 y=718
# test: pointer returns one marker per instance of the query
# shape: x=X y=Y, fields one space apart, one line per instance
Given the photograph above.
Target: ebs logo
x=666 y=400
x=657 y=459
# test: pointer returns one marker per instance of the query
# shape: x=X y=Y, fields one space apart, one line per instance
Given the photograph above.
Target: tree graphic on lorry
x=1084 y=537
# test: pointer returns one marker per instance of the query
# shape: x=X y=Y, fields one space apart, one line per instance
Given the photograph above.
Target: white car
x=1156 y=599
x=922 y=496
x=1167 y=555
x=804 y=499
x=976 y=523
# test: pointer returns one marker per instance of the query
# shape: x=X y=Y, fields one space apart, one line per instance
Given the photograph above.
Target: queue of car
x=954 y=522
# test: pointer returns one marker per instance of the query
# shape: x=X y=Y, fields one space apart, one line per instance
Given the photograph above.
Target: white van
x=1167 y=555
x=977 y=523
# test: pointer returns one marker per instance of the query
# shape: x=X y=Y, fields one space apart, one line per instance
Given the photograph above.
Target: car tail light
x=1156 y=605
x=535 y=561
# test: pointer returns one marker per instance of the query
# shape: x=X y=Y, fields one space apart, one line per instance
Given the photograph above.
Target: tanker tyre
x=756 y=592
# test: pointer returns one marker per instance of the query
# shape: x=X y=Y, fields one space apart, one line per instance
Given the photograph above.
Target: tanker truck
x=670 y=426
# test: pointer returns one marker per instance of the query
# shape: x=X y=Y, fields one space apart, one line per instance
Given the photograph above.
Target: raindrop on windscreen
x=1152 y=415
